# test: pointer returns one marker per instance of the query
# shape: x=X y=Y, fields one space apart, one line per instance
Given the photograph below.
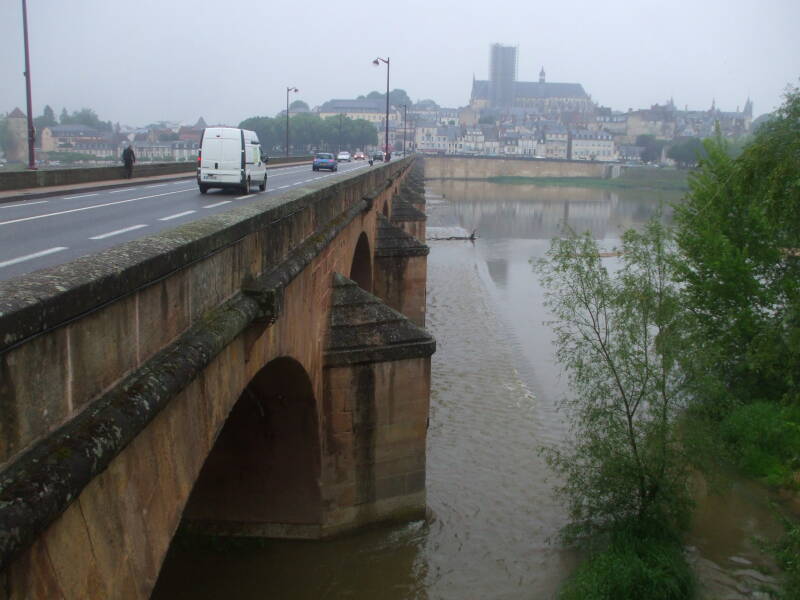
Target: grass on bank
x=634 y=178
x=634 y=565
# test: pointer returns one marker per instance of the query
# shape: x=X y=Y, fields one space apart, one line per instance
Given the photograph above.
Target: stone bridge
x=262 y=372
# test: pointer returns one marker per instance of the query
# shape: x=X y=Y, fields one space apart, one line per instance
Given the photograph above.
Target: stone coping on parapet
x=393 y=241
x=364 y=330
x=43 y=300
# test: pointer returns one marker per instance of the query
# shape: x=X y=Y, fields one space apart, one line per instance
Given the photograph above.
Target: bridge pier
x=377 y=388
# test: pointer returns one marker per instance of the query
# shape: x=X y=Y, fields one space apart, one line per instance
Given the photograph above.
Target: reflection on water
x=494 y=395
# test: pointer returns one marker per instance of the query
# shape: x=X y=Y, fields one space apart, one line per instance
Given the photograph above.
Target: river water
x=494 y=403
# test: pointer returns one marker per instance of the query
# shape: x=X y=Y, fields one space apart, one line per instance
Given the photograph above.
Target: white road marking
x=283 y=187
x=102 y=236
x=81 y=196
x=156 y=185
x=124 y=190
x=20 y=259
x=93 y=206
x=243 y=197
x=177 y=215
x=178 y=182
x=24 y=204
x=216 y=204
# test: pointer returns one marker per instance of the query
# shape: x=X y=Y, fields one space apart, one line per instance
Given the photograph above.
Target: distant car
x=378 y=157
x=343 y=157
x=359 y=156
x=324 y=160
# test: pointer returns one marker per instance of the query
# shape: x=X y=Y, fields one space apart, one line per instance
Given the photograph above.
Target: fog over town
x=137 y=63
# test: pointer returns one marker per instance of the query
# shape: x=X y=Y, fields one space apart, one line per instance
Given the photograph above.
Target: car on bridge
x=230 y=158
x=359 y=156
x=343 y=156
x=378 y=157
x=324 y=160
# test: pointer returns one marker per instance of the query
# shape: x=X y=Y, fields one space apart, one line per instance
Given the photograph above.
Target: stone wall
x=460 y=167
x=141 y=352
x=15 y=180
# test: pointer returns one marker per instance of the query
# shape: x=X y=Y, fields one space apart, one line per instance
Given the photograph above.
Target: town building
x=364 y=108
x=17 y=146
x=591 y=145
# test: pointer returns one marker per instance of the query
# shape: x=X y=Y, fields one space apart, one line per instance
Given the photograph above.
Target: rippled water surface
x=493 y=404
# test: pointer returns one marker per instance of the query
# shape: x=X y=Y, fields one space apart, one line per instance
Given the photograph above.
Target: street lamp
x=31 y=130
x=288 y=89
x=377 y=62
x=405 y=114
x=341 y=117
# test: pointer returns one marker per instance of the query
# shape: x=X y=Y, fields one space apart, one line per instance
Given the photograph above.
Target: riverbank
x=634 y=178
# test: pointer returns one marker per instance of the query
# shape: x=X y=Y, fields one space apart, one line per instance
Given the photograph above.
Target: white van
x=230 y=158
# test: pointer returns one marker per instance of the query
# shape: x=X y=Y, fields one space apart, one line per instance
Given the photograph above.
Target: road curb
x=49 y=193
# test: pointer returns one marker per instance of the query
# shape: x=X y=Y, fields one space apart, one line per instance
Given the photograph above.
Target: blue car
x=324 y=160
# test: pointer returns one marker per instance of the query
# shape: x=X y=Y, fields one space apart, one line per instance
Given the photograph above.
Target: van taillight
x=199 y=154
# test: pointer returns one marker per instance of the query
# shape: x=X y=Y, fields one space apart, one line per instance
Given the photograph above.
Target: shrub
x=764 y=438
x=633 y=566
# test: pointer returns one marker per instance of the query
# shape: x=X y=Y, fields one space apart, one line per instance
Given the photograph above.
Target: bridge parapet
x=118 y=371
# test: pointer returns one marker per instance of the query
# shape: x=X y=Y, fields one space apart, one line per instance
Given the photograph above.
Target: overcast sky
x=141 y=61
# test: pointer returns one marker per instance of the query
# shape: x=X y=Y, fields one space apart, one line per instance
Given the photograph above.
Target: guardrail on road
x=17 y=180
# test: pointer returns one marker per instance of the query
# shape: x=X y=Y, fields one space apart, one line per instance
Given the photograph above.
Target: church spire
x=541 y=75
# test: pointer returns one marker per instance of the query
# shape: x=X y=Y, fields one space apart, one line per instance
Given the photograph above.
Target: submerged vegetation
x=702 y=322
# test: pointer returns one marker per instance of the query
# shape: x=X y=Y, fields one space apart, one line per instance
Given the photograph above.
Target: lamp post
x=31 y=130
x=288 y=89
x=405 y=114
x=377 y=62
x=339 y=143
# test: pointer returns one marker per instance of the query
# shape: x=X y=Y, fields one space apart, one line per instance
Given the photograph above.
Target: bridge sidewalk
x=57 y=190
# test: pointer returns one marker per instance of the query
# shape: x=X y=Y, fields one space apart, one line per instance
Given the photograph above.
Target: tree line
x=309 y=132
x=684 y=357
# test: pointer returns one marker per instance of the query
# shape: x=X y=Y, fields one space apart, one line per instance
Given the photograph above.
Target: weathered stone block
x=34 y=391
x=102 y=349
x=164 y=313
x=32 y=576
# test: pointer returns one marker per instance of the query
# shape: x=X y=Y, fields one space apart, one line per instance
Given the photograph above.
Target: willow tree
x=617 y=335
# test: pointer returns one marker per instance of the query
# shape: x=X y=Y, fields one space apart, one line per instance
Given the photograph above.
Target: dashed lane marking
x=177 y=215
x=123 y=190
x=243 y=197
x=103 y=236
x=216 y=204
x=81 y=196
x=24 y=204
x=14 y=261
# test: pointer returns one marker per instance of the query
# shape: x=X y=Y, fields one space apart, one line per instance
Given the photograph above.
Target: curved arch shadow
x=361 y=269
x=264 y=467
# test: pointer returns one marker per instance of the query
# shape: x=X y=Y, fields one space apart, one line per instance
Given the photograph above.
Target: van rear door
x=231 y=158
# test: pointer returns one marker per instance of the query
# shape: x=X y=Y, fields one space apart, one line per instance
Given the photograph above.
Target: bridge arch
x=262 y=475
x=361 y=268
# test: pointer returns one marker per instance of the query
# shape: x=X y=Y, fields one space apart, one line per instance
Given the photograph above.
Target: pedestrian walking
x=128 y=157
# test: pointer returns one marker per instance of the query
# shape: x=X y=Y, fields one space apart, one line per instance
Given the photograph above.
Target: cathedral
x=502 y=93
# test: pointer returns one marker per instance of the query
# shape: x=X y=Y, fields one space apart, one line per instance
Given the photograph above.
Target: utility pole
x=288 y=89
x=31 y=130
x=405 y=121
x=341 y=118
x=377 y=62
